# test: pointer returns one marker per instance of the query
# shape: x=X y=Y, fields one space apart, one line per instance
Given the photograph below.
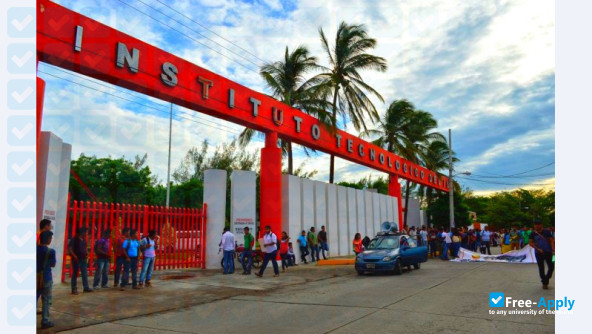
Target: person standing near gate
x=148 y=245
x=249 y=242
x=322 y=236
x=131 y=247
x=78 y=251
x=103 y=251
x=120 y=256
x=228 y=247
x=543 y=242
x=270 y=245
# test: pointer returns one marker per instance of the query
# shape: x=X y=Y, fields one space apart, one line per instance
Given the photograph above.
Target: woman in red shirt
x=284 y=246
x=358 y=243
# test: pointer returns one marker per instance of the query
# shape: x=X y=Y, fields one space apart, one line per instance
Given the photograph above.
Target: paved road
x=440 y=297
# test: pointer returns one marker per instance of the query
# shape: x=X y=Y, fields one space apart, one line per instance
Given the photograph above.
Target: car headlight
x=387 y=258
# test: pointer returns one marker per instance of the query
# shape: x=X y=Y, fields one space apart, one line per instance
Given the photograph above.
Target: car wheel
x=416 y=266
x=397 y=270
x=360 y=272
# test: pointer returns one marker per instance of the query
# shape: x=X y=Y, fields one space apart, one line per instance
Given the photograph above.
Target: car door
x=405 y=251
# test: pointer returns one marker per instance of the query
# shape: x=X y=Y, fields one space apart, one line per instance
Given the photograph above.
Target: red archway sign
x=75 y=42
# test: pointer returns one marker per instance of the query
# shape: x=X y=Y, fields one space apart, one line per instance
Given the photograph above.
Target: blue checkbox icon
x=20 y=131
x=21 y=310
x=21 y=166
x=21 y=58
x=21 y=202
x=21 y=274
x=21 y=94
x=496 y=299
x=21 y=22
x=20 y=238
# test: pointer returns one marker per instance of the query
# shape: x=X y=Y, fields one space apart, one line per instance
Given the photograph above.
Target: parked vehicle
x=390 y=252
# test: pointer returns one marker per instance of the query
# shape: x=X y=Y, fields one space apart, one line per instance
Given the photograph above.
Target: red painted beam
x=75 y=42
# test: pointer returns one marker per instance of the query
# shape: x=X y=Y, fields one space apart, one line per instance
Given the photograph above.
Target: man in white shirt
x=270 y=247
x=446 y=244
x=228 y=245
x=485 y=241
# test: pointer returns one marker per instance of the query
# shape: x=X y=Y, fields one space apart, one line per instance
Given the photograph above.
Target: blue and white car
x=390 y=252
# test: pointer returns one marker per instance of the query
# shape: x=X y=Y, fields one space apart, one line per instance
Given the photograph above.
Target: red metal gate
x=180 y=232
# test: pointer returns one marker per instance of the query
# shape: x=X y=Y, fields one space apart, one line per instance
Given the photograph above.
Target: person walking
x=103 y=252
x=322 y=237
x=302 y=244
x=120 y=256
x=132 y=249
x=313 y=244
x=357 y=244
x=78 y=251
x=247 y=254
x=543 y=242
x=46 y=259
x=270 y=246
x=284 y=247
x=456 y=239
x=148 y=245
x=228 y=247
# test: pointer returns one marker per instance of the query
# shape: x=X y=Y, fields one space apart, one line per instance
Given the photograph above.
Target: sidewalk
x=171 y=290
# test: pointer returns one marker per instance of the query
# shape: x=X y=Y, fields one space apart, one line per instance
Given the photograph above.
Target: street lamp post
x=450 y=180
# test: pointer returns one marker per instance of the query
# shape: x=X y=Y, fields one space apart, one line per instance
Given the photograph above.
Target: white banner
x=524 y=255
x=242 y=203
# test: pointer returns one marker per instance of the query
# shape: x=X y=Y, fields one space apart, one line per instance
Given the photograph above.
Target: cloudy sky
x=485 y=69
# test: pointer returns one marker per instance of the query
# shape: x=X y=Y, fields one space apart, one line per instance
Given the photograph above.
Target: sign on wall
x=242 y=203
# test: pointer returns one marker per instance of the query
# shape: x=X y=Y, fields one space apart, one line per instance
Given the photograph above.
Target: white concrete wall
x=320 y=204
x=361 y=210
x=396 y=210
x=376 y=211
x=369 y=214
x=389 y=206
x=243 y=194
x=53 y=180
x=413 y=213
x=352 y=217
x=308 y=206
x=215 y=198
x=291 y=210
x=342 y=220
x=332 y=220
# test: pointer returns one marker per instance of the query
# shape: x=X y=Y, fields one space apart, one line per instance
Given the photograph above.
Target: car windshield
x=387 y=242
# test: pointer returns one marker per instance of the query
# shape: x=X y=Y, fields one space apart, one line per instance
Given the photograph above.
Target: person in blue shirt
x=544 y=244
x=46 y=259
x=131 y=248
x=302 y=244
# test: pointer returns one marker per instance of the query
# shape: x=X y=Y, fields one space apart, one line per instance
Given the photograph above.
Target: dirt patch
x=176 y=276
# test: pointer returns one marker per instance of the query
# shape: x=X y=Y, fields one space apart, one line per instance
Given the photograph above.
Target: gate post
x=395 y=190
x=270 y=205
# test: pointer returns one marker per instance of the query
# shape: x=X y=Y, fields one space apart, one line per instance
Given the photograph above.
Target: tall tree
x=343 y=82
x=406 y=132
x=287 y=81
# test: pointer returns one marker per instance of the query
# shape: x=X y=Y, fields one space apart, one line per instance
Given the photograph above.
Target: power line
x=507 y=184
x=195 y=40
x=206 y=28
x=514 y=174
x=140 y=97
x=216 y=125
x=510 y=177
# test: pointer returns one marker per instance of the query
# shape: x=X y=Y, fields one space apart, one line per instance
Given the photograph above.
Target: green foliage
x=517 y=208
x=113 y=180
x=439 y=211
x=380 y=184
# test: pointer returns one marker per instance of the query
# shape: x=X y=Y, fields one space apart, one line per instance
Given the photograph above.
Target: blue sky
x=485 y=69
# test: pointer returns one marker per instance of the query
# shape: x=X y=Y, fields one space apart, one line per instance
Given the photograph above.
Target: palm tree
x=435 y=158
x=342 y=80
x=287 y=83
x=406 y=132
